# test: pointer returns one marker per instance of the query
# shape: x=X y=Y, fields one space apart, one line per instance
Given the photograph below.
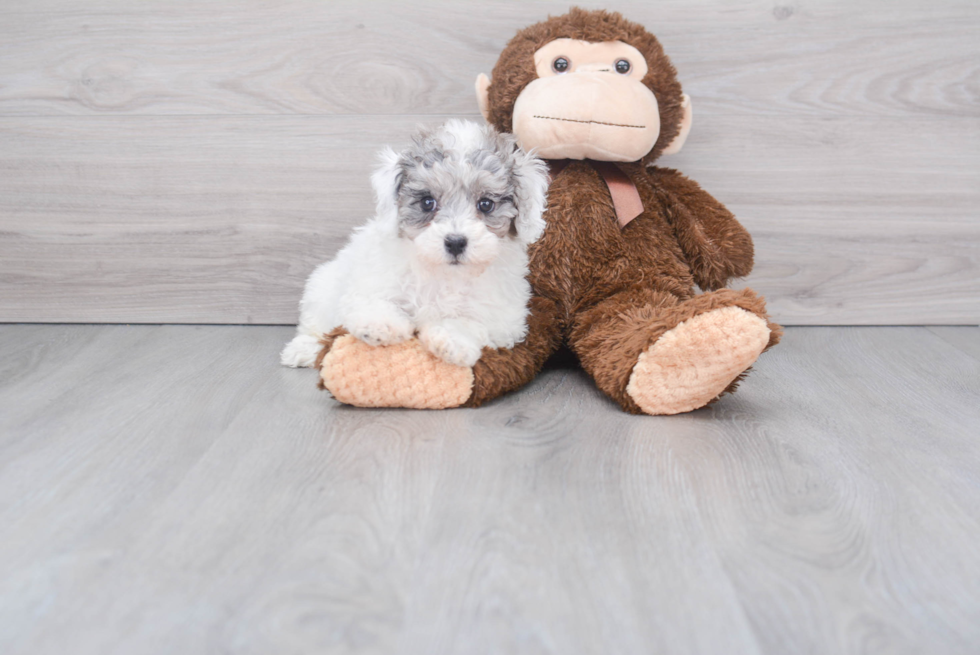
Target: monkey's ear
x=678 y=142
x=387 y=180
x=482 y=87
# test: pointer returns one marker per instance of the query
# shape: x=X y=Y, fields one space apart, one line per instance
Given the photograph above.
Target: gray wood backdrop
x=184 y=161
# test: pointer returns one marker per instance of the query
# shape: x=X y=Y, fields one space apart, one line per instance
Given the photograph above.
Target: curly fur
x=432 y=262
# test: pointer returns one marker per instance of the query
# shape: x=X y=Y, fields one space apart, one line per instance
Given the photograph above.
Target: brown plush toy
x=625 y=243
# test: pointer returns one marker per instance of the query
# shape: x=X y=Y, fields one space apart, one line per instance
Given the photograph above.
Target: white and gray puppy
x=444 y=259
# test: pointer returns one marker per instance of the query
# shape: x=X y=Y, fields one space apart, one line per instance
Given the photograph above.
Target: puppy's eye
x=428 y=204
x=561 y=64
x=623 y=66
x=485 y=205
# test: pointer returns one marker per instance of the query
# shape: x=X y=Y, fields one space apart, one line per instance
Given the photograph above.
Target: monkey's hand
x=716 y=245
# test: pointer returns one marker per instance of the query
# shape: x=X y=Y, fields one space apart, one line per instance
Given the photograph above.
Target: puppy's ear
x=387 y=181
x=530 y=180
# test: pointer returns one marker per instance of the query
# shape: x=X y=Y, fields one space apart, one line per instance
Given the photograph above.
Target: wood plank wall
x=185 y=161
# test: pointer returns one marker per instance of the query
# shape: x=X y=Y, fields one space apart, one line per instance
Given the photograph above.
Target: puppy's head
x=460 y=192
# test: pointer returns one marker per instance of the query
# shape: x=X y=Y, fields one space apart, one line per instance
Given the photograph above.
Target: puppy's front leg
x=456 y=341
x=379 y=323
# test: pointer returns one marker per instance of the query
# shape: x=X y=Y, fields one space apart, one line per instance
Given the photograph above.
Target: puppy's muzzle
x=455 y=245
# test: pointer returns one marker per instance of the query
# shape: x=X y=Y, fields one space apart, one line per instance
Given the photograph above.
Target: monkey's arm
x=716 y=245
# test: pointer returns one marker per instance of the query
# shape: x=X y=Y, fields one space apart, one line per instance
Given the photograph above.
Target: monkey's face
x=588 y=102
x=602 y=89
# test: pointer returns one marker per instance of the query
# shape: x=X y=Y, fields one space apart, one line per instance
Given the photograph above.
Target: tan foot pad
x=692 y=363
x=404 y=375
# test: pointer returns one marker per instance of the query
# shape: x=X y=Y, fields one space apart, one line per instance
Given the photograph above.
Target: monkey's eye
x=560 y=64
x=428 y=204
x=623 y=66
x=485 y=205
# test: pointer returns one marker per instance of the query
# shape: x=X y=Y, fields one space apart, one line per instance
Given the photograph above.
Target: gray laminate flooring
x=172 y=490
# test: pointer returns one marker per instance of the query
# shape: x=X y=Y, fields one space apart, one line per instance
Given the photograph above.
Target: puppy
x=444 y=259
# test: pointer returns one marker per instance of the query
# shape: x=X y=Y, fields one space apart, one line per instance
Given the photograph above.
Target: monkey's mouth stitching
x=572 y=120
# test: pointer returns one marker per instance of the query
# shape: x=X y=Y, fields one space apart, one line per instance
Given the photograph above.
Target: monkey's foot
x=693 y=363
x=402 y=375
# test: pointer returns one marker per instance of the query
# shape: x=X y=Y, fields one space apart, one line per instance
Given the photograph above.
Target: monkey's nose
x=455 y=244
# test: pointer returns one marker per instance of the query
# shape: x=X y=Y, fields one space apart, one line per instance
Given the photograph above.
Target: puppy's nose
x=455 y=244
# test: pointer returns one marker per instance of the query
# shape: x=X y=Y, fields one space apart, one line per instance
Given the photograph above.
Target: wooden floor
x=172 y=490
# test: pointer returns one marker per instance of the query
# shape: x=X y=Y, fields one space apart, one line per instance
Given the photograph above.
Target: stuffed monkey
x=626 y=242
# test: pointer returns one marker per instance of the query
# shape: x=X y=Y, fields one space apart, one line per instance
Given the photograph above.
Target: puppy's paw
x=302 y=351
x=386 y=331
x=450 y=346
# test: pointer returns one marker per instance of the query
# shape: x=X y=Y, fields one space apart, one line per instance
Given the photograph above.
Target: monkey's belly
x=576 y=276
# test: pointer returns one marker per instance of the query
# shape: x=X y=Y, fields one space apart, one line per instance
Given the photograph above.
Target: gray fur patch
x=457 y=170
